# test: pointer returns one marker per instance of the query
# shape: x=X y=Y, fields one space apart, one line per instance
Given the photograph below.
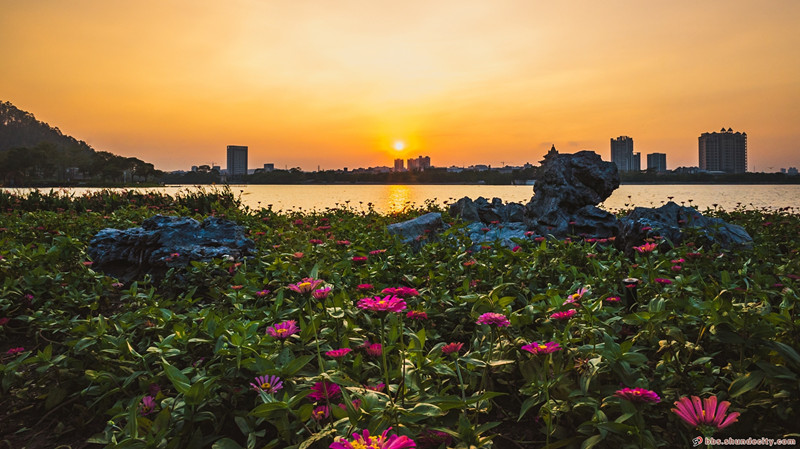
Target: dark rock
x=418 y=230
x=466 y=209
x=504 y=233
x=487 y=212
x=164 y=242
x=567 y=189
x=674 y=223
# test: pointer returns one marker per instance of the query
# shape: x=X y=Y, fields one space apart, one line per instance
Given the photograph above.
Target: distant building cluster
x=622 y=154
x=419 y=164
x=724 y=151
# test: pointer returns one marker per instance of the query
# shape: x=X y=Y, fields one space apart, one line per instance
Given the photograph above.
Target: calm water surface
x=389 y=198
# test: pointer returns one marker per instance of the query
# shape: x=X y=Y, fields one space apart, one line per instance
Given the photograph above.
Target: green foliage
x=727 y=326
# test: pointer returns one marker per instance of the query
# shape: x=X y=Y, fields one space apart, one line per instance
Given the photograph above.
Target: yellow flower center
x=637 y=392
x=381 y=302
x=281 y=331
x=266 y=386
x=303 y=285
x=542 y=346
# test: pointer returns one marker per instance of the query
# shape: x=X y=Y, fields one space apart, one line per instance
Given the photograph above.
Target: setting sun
x=399 y=145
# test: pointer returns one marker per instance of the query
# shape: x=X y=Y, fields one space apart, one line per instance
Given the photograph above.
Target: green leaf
x=264 y=410
x=196 y=394
x=178 y=379
x=296 y=365
x=426 y=409
x=54 y=397
x=745 y=383
x=591 y=441
x=226 y=443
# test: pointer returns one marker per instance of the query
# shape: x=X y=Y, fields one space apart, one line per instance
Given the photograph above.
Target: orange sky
x=306 y=83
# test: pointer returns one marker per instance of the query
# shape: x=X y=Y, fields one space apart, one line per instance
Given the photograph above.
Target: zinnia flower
x=430 y=438
x=663 y=281
x=262 y=293
x=388 y=303
x=305 y=286
x=542 y=348
x=315 y=241
x=646 y=248
x=567 y=314
x=452 y=347
x=321 y=412
x=415 y=315
x=283 y=330
x=14 y=351
x=706 y=412
x=374 y=349
x=147 y=406
x=267 y=384
x=321 y=293
x=382 y=441
x=322 y=389
x=359 y=259
x=403 y=292
x=337 y=353
x=364 y=287
x=637 y=395
x=376 y=252
x=491 y=318
x=612 y=299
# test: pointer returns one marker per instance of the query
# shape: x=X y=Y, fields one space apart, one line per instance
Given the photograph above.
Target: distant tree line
x=34 y=153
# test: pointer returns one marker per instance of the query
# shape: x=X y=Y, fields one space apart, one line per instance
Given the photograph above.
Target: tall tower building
x=725 y=151
x=237 y=161
x=398 y=165
x=657 y=161
x=622 y=154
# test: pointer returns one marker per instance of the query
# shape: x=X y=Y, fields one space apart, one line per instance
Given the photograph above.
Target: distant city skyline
x=464 y=82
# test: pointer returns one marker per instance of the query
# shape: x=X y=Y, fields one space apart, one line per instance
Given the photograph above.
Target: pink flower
x=678 y=261
x=356 y=404
x=88 y=263
x=267 y=384
x=516 y=248
x=542 y=348
x=321 y=293
x=359 y=259
x=376 y=252
x=364 y=287
x=452 y=347
x=147 y=406
x=529 y=233
x=315 y=241
x=320 y=412
x=539 y=239
x=415 y=315
x=298 y=255
x=306 y=285
x=3 y=321
x=706 y=412
x=117 y=285
x=380 y=387
x=403 y=292
x=382 y=441
x=430 y=438
x=338 y=353
x=262 y=293
x=663 y=281
x=469 y=263
x=491 y=318
x=637 y=395
x=612 y=299
x=563 y=315
x=343 y=242
x=14 y=351
x=374 y=349
x=322 y=389
x=676 y=268
x=236 y=287
x=283 y=330
x=646 y=248
x=388 y=303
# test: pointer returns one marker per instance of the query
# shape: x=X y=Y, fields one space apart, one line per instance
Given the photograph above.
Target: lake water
x=389 y=198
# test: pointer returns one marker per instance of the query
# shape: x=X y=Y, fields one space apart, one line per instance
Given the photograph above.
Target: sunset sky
x=336 y=83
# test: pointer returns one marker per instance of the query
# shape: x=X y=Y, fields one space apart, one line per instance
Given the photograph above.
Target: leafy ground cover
x=335 y=328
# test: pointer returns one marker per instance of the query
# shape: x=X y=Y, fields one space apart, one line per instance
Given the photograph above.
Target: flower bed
x=315 y=343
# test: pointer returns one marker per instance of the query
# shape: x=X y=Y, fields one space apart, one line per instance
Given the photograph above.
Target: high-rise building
x=398 y=165
x=237 y=161
x=622 y=154
x=725 y=151
x=657 y=161
x=420 y=163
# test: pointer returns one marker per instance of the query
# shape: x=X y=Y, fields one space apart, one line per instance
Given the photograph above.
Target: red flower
x=452 y=347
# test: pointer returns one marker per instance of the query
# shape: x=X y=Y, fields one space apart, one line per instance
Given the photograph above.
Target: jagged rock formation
x=418 y=230
x=164 y=242
x=566 y=195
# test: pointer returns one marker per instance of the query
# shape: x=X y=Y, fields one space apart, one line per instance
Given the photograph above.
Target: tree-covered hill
x=35 y=153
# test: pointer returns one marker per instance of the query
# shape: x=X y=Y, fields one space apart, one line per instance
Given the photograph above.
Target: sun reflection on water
x=398 y=197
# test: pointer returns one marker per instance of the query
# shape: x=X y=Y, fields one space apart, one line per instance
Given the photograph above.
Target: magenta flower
x=321 y=412
x=321 y=293
x=388 y=303
x=403 y=292
x=646 y=248
x=380 y=387
x=262 y=293
x=377 y=252
x=542 y=348
x=374 y=349
x=364 y=287
x=638 y=395
x=430 y=438
x=663 y=281
x=706 y=412
x=355 y=402
x=338 y=353
x=147 y=406
x=496 y=319
x=359 y=259
x=283 y=330
x=3 y=321
x=14 y=351
x=416 y=315
x=306 y=285
x=315 y=241
x=452 y=347
x=267 y=384
x=567 y=314
x=322 y=389
x=343 y=242
x=382 y=441
x=612 y=299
